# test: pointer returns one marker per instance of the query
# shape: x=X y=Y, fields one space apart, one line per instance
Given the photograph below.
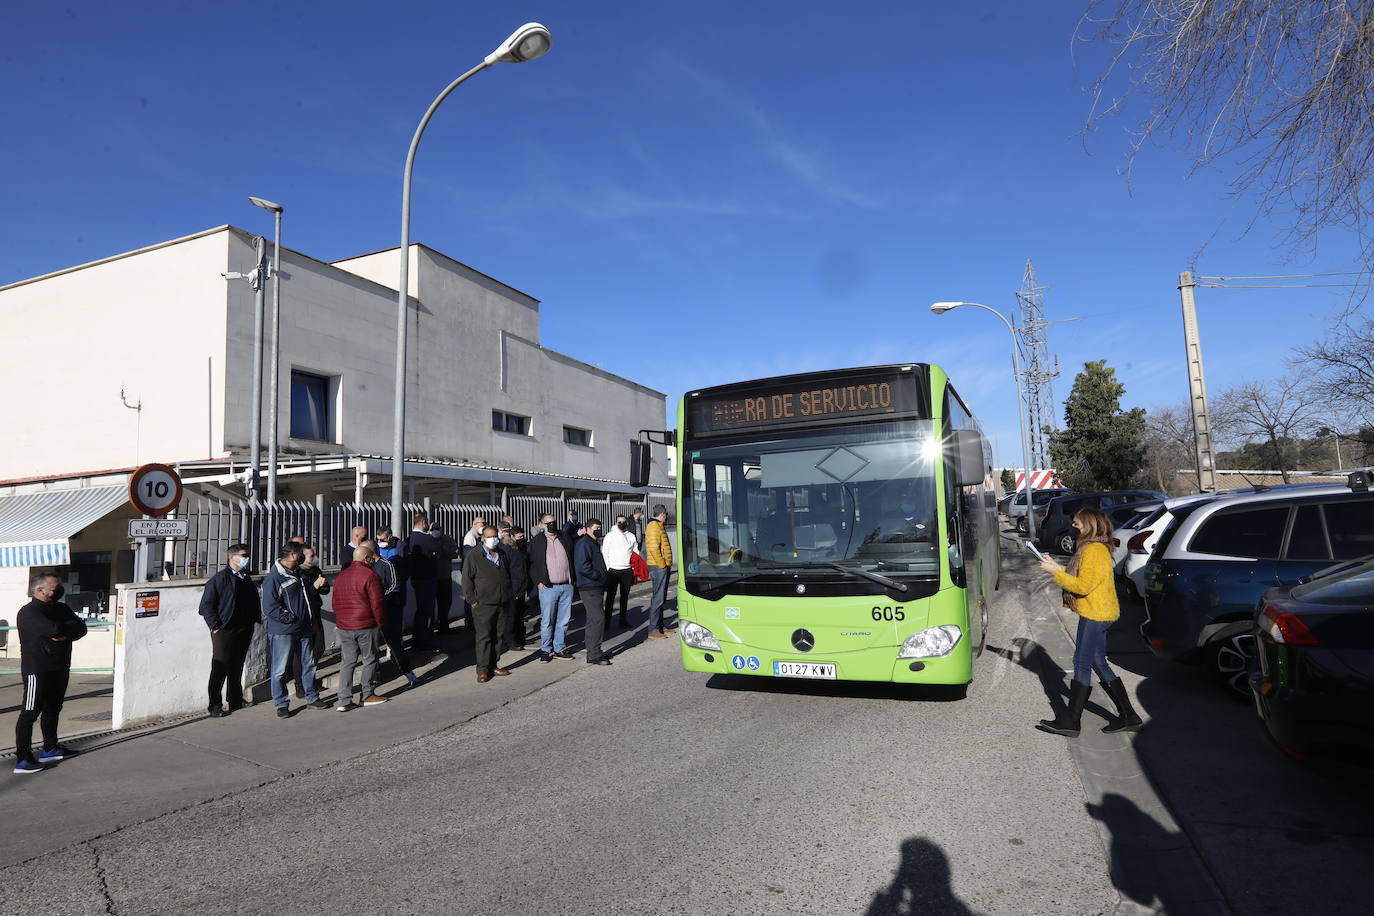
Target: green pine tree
x=1008 y=481
x=1101 y=447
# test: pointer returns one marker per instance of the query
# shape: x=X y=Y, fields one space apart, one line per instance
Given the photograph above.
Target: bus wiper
x=716 y=586
x=865 y=574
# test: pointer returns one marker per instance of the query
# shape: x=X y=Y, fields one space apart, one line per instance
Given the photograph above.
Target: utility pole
x=1197 y=388
x=1039 y=373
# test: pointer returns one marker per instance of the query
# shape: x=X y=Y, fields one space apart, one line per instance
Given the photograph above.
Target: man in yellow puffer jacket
x=1090 y=591
x=658 y=553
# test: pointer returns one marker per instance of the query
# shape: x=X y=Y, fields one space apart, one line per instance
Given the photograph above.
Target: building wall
x=149 y=324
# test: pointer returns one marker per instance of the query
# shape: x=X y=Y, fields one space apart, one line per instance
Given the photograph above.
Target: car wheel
x=1230 y=662
x=1068 y=544
x=1022 y=525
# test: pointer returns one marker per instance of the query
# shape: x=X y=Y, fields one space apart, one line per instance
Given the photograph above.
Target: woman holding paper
x=1090 y=592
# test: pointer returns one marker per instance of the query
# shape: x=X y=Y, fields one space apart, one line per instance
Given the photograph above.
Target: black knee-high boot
x=1127 y=720
x=1068 y=724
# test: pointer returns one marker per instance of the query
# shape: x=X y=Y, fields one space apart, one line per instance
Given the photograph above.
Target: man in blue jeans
x=551 y=557
x=290 y=628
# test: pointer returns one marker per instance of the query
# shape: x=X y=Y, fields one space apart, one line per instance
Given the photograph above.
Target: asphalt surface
x=569 y=788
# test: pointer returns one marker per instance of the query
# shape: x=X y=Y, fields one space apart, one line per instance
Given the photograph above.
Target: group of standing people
x=502 y=572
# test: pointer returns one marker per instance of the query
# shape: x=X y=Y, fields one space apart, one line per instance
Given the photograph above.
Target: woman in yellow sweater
x=1090 y=592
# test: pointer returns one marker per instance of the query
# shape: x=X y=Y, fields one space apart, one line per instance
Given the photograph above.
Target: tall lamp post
x=940 y=308
x=276 y=210
x=529 y=41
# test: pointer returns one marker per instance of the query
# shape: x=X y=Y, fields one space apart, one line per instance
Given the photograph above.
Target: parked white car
x=1140 y=544
x=1122 y=536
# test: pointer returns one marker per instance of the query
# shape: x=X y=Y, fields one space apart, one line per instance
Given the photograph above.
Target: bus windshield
x=861 y=496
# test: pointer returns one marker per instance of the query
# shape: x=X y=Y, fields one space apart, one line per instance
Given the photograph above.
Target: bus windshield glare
x=863 y=496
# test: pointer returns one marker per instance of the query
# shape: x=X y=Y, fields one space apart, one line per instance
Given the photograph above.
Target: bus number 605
x=889 y=613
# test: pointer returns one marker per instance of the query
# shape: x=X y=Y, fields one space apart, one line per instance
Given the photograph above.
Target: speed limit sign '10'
x=155 y=489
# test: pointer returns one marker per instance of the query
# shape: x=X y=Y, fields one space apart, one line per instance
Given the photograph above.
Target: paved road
x=567 y=788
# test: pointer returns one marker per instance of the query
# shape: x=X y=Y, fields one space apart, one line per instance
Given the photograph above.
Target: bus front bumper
x=879 y=664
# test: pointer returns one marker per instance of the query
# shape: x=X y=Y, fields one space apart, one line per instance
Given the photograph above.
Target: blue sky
x=699 y=193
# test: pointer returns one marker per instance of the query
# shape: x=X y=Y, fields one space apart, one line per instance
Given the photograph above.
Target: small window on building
x=504 y=422
x=312 y=415
x=575 y=436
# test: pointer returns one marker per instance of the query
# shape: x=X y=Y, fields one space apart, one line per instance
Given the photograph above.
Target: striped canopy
x=36 y=528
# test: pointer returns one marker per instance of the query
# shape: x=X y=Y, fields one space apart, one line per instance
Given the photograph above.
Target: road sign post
x=154 y=490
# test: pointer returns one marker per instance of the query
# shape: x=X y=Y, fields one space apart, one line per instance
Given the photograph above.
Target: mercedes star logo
x=803 y=641
x=801 y=589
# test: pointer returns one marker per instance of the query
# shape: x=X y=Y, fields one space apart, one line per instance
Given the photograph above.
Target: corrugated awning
x=36 y=528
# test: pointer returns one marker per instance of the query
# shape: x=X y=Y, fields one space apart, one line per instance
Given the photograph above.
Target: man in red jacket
x=359 y=613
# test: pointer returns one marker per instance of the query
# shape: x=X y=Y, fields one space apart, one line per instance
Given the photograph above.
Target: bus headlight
x=698 y=637
x=933 y=643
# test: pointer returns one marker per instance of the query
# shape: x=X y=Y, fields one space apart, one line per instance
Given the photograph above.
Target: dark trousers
x=594 y=603
x=443 y=593
x=424 y=590
x=395 y=627
x=618 y=580
x=228 y=649
x=43 y=695
x=512 y=623
x=485 y=619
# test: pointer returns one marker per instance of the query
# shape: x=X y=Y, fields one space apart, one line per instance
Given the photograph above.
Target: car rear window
x=1354 y=586
x=1153 y=517
x=1351 y=526
x=1246 y=533
x=1307 y=541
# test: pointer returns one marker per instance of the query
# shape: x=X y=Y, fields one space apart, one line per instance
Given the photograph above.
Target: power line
x=1360 y=283
x=1339 y=273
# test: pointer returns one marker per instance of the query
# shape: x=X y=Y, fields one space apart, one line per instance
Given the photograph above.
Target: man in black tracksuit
x=232 y=609
x=47 y=629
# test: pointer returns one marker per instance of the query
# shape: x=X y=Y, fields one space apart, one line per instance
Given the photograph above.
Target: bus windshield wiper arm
x=717 y=585
x=872 y=577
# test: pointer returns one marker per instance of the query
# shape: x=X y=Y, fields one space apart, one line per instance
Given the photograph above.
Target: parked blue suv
x=1210 y=568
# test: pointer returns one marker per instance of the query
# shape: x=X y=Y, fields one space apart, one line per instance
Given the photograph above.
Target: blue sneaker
x=24 y=767
x=57 y=754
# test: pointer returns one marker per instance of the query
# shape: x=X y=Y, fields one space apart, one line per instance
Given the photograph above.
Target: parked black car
x=1314 y=687
x=1055 y=530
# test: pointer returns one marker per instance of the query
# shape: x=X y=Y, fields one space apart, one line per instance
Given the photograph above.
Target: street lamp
x=529 y=41
x=276 y=210
x=940 y=308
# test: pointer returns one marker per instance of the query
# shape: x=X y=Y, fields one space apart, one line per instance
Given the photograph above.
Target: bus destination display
x=805 y=402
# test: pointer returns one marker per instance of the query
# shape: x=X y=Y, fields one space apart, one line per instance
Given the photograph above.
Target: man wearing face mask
x=573 y=529
x=232 y=609
x=47 y=629
x=486 y=588
x=589 y=571
x=617 y=548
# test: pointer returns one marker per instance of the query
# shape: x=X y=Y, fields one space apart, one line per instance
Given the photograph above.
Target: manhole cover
x=92 y=717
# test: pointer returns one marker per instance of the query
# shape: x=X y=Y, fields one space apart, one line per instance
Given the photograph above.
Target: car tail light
x=1137 y=542
x=1116 y=542
x=1286 y=628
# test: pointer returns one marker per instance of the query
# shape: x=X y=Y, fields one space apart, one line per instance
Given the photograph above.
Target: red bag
x=641 y=569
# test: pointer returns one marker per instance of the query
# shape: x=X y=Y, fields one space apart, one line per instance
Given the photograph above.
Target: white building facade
x=147 y=356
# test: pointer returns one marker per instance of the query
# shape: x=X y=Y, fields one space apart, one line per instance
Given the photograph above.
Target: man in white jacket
x=616 y=548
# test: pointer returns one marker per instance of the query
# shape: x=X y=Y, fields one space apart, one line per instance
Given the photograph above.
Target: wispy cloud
x=803 y=165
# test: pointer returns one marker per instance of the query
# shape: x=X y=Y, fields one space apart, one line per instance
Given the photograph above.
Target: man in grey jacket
x=289 y=627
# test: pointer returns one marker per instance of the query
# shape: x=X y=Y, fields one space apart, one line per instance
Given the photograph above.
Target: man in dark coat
x=589 y=572
x=518 y=562
x=47 y=629
x=422 y=561
x=486 y=588
x=551 y=562
x=232 y=609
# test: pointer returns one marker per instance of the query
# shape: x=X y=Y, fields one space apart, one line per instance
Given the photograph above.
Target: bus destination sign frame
x=808 y=401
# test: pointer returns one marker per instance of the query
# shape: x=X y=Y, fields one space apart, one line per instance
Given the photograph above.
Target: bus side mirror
x=968 y=457
x=640 y=459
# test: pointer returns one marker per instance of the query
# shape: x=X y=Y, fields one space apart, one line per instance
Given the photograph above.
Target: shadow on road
x=1053 y=680
x=865 y=690
x=920 y=886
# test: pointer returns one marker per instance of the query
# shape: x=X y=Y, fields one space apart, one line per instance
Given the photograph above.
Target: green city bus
x=834 y=525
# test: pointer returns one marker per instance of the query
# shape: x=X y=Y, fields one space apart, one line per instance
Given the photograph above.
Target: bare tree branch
x=1281 y=86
